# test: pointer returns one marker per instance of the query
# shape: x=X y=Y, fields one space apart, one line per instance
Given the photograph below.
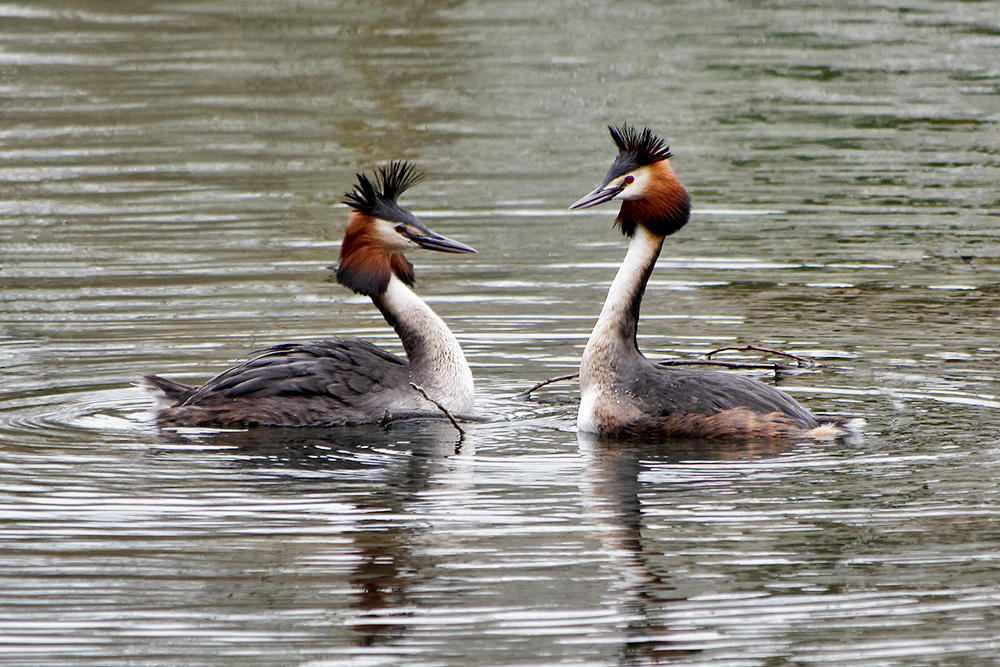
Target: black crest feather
x=643 y=147
x=379 y=197
x=672 y=208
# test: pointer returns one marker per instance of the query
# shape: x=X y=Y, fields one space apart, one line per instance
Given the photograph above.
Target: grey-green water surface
x=171 y=178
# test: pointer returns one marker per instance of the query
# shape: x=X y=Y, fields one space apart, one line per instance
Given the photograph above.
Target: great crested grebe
x=347 y=381
x=621 y=392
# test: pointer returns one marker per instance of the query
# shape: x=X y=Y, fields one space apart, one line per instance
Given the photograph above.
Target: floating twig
x=803 y=361
x=737 y=365
x=742 y=365
x=526 y=392
x=442 y=409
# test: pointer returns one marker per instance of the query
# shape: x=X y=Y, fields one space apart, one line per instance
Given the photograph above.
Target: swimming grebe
x=347 y=381
x=621 y=392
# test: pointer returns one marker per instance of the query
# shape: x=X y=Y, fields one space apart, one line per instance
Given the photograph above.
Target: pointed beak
x=432 y=241
x=598 y=196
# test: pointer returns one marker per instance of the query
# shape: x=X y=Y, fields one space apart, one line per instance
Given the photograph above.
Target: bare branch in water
x=441 y=408
x=745 y=365
x=526 y=392
x=776 y=367
x=803 y=361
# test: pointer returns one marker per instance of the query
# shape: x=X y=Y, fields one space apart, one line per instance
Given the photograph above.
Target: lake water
x=171 y=182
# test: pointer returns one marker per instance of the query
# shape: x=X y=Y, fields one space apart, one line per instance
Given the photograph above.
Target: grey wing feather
x=671 y=392
x=340 y=369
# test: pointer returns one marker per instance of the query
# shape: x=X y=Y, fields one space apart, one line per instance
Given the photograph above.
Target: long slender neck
x=425 y=337
x=619 y=320
x=437 y=363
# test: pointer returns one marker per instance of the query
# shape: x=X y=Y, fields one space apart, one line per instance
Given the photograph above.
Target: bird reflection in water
x=368 y=478
x=647 y=585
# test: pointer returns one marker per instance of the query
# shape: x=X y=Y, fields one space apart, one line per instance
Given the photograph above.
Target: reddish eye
x=400 y=229
x=629 y=180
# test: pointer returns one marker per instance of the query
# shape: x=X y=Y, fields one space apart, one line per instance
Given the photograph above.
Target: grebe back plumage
x=621 y=392
x=347 y=381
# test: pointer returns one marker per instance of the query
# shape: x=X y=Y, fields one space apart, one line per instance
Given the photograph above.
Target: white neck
x=620 y=314
x=611 y=352
x=437 y=362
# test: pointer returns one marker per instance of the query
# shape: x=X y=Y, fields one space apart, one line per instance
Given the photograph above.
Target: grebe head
x=642 y=179
x=380 y=230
